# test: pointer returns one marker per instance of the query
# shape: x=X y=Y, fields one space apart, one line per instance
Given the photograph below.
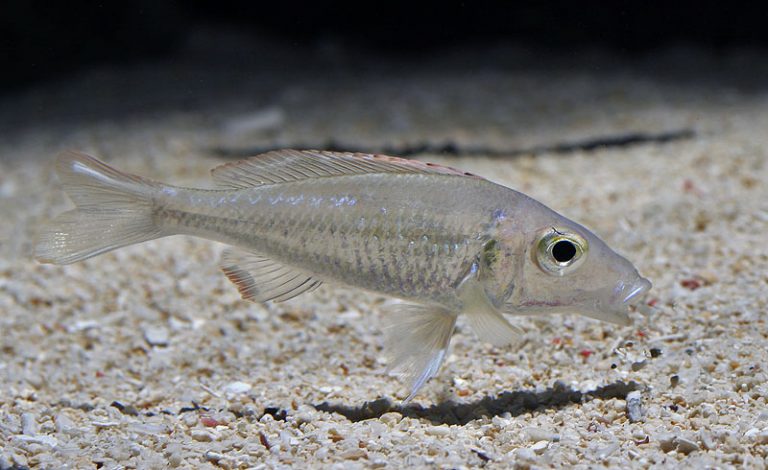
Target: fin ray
x=113 y=209
x=260 y=279
x=281 y=166
x=417 y=341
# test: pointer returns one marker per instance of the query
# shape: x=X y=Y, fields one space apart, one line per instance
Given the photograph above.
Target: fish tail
x=113 y=209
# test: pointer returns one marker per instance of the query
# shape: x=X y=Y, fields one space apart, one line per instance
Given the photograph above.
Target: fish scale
x=280 y=228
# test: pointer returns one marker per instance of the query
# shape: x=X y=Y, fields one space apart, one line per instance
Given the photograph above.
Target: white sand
x=146 y=356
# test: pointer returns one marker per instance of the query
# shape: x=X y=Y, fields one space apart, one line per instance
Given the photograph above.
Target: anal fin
x=417 y=338
x=259 y=278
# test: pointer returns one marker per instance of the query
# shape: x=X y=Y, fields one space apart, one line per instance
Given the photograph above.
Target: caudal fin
x=114 y=209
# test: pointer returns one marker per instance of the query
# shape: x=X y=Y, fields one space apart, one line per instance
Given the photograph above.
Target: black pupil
x=563 y=251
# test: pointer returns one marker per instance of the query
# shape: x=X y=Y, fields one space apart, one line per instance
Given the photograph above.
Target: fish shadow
x=450 y=148
x=515 y=403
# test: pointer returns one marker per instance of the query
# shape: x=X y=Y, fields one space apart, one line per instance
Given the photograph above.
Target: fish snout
x=631 y=293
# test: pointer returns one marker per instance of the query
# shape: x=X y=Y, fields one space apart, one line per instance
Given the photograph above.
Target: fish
x=444 y=241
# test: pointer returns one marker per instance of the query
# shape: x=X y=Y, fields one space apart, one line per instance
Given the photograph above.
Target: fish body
x=446 y=241
x=408 y=235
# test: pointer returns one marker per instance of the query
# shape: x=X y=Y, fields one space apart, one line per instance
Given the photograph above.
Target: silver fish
x=446 y=241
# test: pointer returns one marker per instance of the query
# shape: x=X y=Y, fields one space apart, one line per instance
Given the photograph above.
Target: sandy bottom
x=146 y=356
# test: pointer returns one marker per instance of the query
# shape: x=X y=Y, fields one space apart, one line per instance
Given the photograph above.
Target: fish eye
x=560 y=253
x=563 y=251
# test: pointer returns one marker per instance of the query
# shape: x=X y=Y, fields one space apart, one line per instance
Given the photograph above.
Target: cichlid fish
x=446 y=241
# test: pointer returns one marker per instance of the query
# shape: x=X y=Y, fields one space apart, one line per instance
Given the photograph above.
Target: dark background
x=42 y=41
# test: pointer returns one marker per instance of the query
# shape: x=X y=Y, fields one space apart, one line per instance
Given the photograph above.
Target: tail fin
x=114 y=209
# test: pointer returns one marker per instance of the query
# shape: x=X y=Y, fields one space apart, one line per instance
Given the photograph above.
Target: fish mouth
x=624 y=296
x=635 y=291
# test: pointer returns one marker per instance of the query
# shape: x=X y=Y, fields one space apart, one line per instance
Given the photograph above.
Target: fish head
x=568 y=269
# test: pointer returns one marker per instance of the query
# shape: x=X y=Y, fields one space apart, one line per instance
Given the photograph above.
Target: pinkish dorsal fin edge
x=281 y=166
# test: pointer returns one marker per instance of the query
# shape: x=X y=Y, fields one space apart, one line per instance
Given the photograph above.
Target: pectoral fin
x=486 y=320
x=417 y=340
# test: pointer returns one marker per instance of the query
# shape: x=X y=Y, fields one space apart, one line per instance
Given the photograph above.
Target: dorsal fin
x=281 y=166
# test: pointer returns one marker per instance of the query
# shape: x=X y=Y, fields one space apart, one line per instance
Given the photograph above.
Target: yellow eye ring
x=560 y=253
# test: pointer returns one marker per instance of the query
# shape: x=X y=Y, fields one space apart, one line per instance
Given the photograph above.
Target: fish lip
x=636 y=291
